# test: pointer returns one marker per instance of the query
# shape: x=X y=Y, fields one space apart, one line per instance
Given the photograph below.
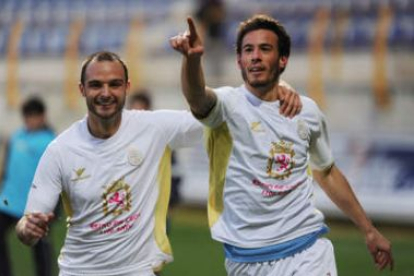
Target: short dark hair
x=102 y=56
x=142 y=96
x=33 y=106
x=262 y=21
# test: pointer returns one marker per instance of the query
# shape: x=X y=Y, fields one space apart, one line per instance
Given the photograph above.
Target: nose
x=256 y=55
x=105 y=89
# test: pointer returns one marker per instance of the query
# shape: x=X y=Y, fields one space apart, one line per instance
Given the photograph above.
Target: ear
x=81 y=89
x=239 y=61
x=128 y=86
x=283 y=60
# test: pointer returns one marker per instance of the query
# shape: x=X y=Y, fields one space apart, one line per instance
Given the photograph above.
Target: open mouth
x=256 y=70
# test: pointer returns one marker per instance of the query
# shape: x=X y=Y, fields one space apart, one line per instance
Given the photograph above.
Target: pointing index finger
x=192 y=29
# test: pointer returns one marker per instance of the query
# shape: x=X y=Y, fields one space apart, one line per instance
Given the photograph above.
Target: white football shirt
x=115 y=191
x=260 y=188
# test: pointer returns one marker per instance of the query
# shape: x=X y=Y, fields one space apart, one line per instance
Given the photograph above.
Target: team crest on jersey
x=280 y=162
x=117 y=198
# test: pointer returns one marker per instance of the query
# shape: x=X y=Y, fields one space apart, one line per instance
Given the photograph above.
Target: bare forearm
x=340 y=192
x=200 y=98
x=192 y=80
x=337 y=187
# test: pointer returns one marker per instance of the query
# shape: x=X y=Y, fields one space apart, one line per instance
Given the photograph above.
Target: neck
x=103 y=128
x=268 y=93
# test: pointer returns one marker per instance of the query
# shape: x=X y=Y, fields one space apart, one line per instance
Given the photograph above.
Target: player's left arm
x=291 y=104
x=337 y=187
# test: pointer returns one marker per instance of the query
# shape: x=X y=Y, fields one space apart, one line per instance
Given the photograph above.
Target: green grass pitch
x=197 y=254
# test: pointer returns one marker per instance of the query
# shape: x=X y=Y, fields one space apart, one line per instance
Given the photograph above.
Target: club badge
x=135 y=157
x=117 y=198
x=303 y=130
x=280 y=162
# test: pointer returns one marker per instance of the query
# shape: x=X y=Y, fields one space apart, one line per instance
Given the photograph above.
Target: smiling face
x=104 y=88
x=259 y=60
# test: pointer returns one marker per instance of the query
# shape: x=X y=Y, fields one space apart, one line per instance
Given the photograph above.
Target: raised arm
x=200 y=98
x=337 y=187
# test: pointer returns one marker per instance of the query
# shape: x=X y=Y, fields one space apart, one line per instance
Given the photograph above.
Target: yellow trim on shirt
x=219 y=144
x=67 y=206
x=161 y=209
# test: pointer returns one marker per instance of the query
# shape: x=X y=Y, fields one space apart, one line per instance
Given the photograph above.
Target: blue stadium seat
x=4 y=35
x=92 y=39
x=402 y=31
x=56 y=42
x=360 y=32
x=48 y=21
x=31 y=41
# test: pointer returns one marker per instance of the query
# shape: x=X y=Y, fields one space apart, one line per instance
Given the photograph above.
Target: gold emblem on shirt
x=280 y=162
x=80 y=175
x=117 y=198
x=256 y=127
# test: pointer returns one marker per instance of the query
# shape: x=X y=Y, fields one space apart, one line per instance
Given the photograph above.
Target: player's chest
x=265 y=128
x=97 y=174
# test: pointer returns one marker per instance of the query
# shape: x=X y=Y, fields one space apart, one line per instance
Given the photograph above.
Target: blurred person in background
x=23 y=152
x=112 y=169
x=142 y=100
x=260 y=204
x=211 y=14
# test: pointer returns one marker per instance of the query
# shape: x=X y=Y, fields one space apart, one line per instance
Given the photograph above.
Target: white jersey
x=115 y=191
x=260 y=188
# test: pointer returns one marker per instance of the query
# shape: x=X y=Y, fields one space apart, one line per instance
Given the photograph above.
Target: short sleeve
x=217 y=115
x=179 y=128
x=46 y=187
x=189 y=132
x=320 y=150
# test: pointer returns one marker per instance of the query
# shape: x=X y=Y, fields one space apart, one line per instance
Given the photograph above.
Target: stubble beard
x=267 y=83
x=93 y=108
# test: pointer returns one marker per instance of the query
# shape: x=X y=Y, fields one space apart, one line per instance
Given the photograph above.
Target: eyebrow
x=259 y=45
x=112 y=80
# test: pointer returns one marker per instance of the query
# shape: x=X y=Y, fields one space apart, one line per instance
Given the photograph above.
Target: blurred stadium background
x=354 y=57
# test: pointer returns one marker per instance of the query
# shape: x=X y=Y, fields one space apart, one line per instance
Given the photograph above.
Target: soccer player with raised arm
x=260 y=201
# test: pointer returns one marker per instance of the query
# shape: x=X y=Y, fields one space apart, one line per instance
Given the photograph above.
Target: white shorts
x=317 y=260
